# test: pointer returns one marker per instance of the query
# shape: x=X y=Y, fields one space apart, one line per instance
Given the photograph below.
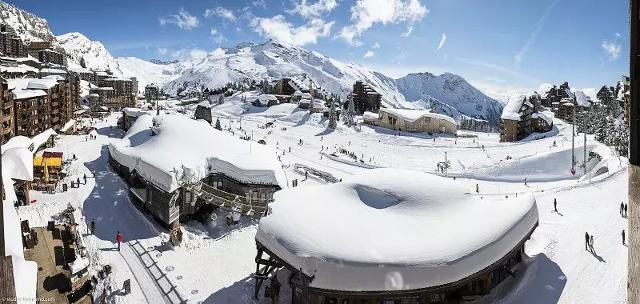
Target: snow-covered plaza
x=215 y=262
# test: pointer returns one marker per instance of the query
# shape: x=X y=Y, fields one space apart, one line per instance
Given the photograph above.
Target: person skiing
x=623 y=237
x=477 y=188
x=555 y=205
x=591 y=243
x=586 y=240
x=93 y=226
x=119 y=239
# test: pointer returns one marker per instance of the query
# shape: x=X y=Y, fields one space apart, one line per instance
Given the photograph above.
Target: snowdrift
x=393 y=230
x=193 y=149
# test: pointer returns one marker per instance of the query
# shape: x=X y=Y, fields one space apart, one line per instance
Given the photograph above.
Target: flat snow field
x=215 y=263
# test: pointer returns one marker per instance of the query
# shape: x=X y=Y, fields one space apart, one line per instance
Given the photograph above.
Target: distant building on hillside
x=365 y=98
x=412 y=121
x=10 y=43
x=519 y=119
x=151 y=91
x=203 y=111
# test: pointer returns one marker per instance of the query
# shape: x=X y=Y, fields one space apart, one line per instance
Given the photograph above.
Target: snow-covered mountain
x=83 y=52
x=448 y=93
x=27 y=26
x=451 y=91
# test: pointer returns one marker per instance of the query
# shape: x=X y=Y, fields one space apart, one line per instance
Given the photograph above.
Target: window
x=328 y=300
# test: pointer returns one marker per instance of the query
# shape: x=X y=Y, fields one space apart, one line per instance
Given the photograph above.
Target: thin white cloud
x=162 y=51
x=376 y=45
x=369 y=54
x=221 y=12
x=277 y=28
x=182 y=19
x=366 y=13
x=532 y=38
x=408 y=32
x=442 y=41
x=315 y=10
x=216 y=35
x=218 y=53
x=259 y=3
x=612 y=48
x=194 y=53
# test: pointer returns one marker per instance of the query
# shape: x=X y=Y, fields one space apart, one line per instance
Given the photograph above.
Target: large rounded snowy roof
x=391 y=229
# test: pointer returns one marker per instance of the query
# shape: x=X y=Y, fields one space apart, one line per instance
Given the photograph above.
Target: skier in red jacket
x=119 y=239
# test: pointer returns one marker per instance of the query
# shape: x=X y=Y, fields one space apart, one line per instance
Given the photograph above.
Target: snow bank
x=390 y=229
x=195 y=149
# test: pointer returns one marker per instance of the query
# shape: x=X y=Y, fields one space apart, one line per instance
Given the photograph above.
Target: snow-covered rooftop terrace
x=194 y=148
x=391 y=229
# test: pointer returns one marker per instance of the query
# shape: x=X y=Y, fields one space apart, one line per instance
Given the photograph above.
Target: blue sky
x=501 y=46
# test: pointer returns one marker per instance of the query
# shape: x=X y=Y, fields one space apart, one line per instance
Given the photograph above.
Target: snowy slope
x=147 y=72
x=27 y=26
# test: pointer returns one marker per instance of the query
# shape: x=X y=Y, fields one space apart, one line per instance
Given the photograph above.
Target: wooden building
x=413 y=121
x=365 y=98
x=519 y=119
x=7 y=115
x=47 y=170
x=203 y=111
x=152 y=92
x=10 y=43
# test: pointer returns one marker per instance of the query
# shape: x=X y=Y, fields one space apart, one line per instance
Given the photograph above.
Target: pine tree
x=218 y=126
x=221 y=99
x=350 y=112
x=333 y=121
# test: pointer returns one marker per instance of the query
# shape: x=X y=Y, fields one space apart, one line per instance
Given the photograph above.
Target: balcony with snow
x=391 y=235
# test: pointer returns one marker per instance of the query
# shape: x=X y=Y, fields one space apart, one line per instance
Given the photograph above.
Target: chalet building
x=7 y=117
x=20 y=67
x=284 y=87
x=365 y=98
x=322 y=262
x=412 y=121
x=519 y=119
x=113 y=93
x=203 y=111
x=129 y=117
x=555 y=94
x=44 y=52
x=176 y=190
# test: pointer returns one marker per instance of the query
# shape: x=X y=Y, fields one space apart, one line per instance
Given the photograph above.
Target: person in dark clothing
x=85 y=178
x=621 y=209
x=555 y=205
x=119 y=239
x=586 y=240
x=93 y=226
x=625 y=210
x=477 y=188
x=623 y=237
x=78 y=181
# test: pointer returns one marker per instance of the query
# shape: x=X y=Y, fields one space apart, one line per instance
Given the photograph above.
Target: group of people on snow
x=623 y=209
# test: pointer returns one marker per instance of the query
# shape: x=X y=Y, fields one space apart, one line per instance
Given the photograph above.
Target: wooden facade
x=7 y=116
x=390 y=120
x=365 y=98
x=182 y=205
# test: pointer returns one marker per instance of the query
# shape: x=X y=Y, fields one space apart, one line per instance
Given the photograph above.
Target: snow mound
x=424 y=229
x=183 y=147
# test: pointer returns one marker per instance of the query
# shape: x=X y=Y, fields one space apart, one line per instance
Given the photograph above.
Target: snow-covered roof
x=186 y=146
x=42 y=84
x=17 y=163
x=307 y=96
x=390 y=229
x=511 y=110
x=80 y=70
x=41 y=138
x=17 y=141
x=53 y=71
x=546 y=116
x=54 y=77
x=370 y=116
x=68 y=125
x=21 y=68
x=264 y=99
x=133 y=112
x=413 y=115
x=23 y=94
